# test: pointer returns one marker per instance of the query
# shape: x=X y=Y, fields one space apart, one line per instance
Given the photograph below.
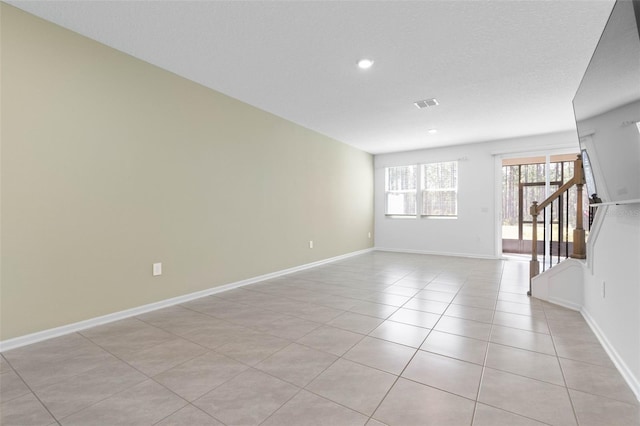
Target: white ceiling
x=500 y=69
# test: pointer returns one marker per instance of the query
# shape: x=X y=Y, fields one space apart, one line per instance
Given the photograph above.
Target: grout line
x=486 y=351
x=335 y=289
x=411 y=359
x=564 y=379
x=35 y=395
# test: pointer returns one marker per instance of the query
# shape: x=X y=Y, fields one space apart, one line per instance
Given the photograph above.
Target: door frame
x=562 y=148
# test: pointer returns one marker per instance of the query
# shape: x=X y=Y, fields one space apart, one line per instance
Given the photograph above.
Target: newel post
x=534 y=265
x=579 y=237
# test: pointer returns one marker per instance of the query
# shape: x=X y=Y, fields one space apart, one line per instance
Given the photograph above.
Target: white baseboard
x=622 y=367
x=39 y=336
x=565 y=303
x=438 y=253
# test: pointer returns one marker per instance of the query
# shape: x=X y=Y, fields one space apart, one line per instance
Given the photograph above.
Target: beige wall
x=110 y=164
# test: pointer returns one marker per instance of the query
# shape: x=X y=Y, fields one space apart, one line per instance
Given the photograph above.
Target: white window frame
x=420 y=192
x=405 y=191
x=424 y=191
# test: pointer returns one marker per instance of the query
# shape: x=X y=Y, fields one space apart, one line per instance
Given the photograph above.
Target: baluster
x=544 y=239
x=560 y=226
x=534 y=265
x=551 y=236
x=566 y=230
x=579 y=246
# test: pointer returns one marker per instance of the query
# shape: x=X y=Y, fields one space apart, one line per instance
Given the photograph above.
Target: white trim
x=626 y=373
x=438 y=253
x=28 y=339
x=565 y=303
x=594 y=232
x=515 y=153
x=497 y=199
x=617 y=203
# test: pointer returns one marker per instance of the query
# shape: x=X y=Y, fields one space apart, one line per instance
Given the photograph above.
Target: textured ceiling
x=499 y=68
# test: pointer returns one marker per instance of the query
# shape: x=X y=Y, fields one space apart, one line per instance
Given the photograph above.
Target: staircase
x=557 y=208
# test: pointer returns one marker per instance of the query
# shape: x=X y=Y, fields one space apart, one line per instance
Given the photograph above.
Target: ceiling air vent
x=426 y=103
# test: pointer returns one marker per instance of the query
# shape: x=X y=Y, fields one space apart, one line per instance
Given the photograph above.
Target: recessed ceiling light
x=365 y=63
x=432 y=131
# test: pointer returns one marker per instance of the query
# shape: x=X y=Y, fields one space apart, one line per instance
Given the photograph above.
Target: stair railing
x=579 y=246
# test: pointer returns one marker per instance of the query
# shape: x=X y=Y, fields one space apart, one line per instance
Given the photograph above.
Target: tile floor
x=381 y=338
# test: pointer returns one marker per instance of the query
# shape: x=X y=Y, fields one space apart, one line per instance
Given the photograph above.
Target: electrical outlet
x=157 y=269
x=369 y=235
x=311 y=244
x=603 y=288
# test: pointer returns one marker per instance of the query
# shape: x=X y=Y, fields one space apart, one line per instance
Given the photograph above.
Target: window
x=440 y=189
x=400 y=190
x=437 y=196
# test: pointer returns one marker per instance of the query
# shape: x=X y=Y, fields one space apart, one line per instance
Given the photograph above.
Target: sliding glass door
x=525 y=180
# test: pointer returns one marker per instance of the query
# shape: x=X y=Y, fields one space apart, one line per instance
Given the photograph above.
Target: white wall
x=476 y=231
x=613 y=249
x=614 y=258
x=563 y=284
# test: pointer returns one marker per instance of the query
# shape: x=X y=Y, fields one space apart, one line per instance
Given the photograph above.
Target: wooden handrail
x=540 y=207
x=579 y=246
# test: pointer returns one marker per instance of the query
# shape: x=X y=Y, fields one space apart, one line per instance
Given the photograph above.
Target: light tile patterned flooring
x=381 y=338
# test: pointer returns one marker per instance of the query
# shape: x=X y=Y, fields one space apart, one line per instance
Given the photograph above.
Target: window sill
x=422 y=216
x=425 y=216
